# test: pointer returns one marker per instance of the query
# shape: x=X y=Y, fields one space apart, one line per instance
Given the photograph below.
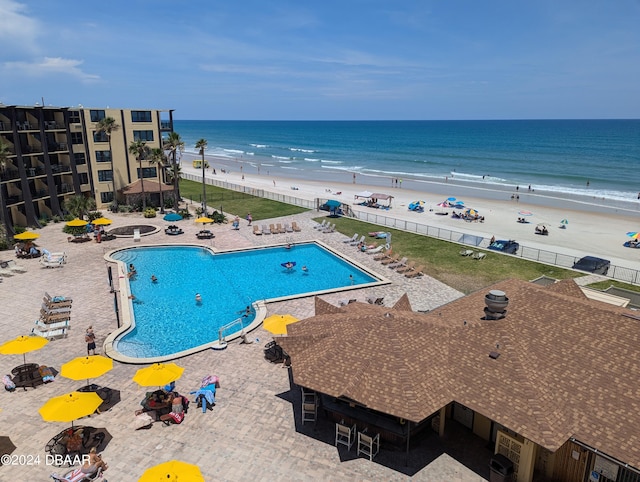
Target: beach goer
x=90 y=339
x=132 y=269
x=154 y=279
x=93 y=463
x=288 y=265
x=198 y=298
x=354 y=177
x=305 y=269
x=249 y=218
x=274 y=183
x=351 y=279
x=492 y=240
x=587 y=183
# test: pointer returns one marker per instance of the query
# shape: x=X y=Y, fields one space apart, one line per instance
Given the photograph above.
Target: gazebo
x=133 y=192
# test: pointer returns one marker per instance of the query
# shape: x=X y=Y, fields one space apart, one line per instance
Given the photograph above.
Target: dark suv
x=510 y=246
x=592 y=264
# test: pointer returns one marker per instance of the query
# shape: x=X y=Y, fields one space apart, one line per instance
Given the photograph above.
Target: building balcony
x=57 y=146
x=35 y=171
x=40 y=193
x=15 y=199
x=9 y=175
x=60 y=168
x=64 y=188
x=165 y=125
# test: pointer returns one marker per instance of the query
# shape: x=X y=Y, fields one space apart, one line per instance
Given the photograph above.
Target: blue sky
x=349 y=59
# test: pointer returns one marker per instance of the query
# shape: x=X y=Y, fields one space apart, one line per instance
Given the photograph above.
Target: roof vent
x=494 y=355
x=497 y=303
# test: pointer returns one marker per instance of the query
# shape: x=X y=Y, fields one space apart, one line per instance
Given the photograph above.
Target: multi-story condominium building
x=56 y=152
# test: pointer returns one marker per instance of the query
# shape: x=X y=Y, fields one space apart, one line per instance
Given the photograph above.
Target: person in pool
x=305 y=269
x=198 y=298
x=288 y=265
x=154 y=279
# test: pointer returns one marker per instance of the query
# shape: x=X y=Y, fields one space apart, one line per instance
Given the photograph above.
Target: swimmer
x=247 y=312
x=288 y=265
x=305 y=269
x=154 y=279
x=131 y=297
x=132 y=268
x=198 y=298
x=288 y=246
x=351 y=278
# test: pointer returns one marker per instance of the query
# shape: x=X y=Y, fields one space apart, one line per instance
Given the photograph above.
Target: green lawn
x=237 y=202
x=443 y=262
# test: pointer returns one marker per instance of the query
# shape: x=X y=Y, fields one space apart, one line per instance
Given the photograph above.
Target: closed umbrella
x=172 y=471
x=158 y=374
x=26 y=236
x=277 y=324
x=23 y=344
x=70 y=407
x=86 y=367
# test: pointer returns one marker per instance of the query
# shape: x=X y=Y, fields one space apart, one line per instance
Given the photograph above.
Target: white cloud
x=18 y=31
x=52 y=65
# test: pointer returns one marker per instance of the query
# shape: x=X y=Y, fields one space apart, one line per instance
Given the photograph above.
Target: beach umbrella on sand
x=525 y=213
x=23 y=344
x=471 y=212
x=564 y=221
x=26 y=236
x=451 y=199
x=634 y=234
x=172 y=217
x=172 y=471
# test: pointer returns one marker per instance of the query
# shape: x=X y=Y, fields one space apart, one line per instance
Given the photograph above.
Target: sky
x=328 y=59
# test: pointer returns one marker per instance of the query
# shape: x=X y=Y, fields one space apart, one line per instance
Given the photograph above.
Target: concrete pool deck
x=254 y=432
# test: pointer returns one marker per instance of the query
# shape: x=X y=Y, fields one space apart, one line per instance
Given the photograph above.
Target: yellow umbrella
x=23 y=344
x=101 y=221
x=158 y=374
x=172 y=471
x=86 y=367
x=277 y=324
x=70 y=406
x=77 y=223
x=26 y=236
x=204 y=220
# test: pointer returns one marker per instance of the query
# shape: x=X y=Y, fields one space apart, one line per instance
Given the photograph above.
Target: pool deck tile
x=254 y=431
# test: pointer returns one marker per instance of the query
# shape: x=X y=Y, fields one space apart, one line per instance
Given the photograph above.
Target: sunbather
x=177 y=410
x=94 y=463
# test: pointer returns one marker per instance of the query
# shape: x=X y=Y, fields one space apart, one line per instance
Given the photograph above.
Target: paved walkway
x=254 y=432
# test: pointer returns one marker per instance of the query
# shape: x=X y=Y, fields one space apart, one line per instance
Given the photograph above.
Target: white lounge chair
x=288 y=228
x=397 y=264
x=375 y=250
x=136 y=235
x=15 y=268
x=57 y=263
x=351 y=239
x=322 y=225
x=265 y=229
x=354 y=242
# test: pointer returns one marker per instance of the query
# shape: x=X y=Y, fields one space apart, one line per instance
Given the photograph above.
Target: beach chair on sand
x=295 y=227
x=352 y=239
x=322 y=225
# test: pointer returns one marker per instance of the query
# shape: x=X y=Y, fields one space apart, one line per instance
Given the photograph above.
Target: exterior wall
x=482 y=426
x=521 y=452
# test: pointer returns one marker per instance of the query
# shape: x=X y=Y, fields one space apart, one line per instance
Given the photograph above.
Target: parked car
x=592 y=264
x=505 y=246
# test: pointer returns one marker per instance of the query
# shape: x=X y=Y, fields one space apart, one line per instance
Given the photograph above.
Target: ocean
x=590 y=158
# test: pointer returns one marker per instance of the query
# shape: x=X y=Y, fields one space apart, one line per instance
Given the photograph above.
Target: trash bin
x=500 y=469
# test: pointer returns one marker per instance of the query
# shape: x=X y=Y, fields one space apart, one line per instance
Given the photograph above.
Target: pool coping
x=126 y=319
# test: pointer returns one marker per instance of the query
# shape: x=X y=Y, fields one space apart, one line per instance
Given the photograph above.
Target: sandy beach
x=596 y=227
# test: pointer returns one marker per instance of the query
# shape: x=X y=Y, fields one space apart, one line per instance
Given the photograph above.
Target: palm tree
x=201 y=145
x=174 y=174
x=174 y=144
x=5 y=152
x=108 y=125
x=79 y=206
x=141 y=151
x=159 y=158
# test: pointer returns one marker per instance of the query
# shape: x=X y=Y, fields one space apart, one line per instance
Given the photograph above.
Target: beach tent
x=363 y=194
x=382 y=197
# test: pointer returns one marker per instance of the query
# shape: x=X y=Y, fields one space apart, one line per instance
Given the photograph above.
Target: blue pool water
x=168 y=320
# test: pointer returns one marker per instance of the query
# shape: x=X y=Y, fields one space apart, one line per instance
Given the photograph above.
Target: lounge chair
x=352 y=239
x=398 y=264
x=279 y=228
x=406 y=268
x=392 y=259
x=288 y=228
x=136 y=235
x=479 y=255
x=356 y=242
x=273 y=229
x=56 y=301
x=295 y=227
x=415 y=272
x=321 y=225
x=57 y=263
x=375 y=301
x=330 y=229
x=205 y=234
x=382 y=256
x=14 y=267
x=76 y=475
x=265 y=229
x=256 y=230
x=466 y=252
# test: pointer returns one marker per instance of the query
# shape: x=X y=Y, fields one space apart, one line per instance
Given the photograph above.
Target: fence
x=620 y=273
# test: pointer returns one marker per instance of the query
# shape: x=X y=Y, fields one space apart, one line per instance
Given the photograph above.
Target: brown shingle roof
x=568 y=366
x=149 y=186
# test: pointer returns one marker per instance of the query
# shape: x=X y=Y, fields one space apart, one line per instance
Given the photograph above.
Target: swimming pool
x=167 y=320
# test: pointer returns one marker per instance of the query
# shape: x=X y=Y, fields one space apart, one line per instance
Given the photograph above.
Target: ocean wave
x=234 y=151
x=326 y=161
x=291 y=168
x=249 y=153
x=297 y=149
x=311 y=159
x=260 y=146
x=281 y=157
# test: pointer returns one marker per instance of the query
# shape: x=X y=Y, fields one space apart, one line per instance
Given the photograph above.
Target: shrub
x=93 y=215
x=43 y=222
x=56 y=219
x=184 y=213
x=150 y=213
x=19 y=229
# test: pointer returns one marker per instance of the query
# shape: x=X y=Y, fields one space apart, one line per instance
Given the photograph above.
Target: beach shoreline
x=595 y=227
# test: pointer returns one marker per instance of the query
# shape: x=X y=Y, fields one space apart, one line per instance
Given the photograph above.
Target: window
x=105 y=176
x=97 y=115
x=83 y=177
x=140 y=116
x=100 y=137
x=148 y=172
x=106 y=197
x=74 y=117
x=79 y=158
x=77 y=138
x=143 y=136
x=103 y=156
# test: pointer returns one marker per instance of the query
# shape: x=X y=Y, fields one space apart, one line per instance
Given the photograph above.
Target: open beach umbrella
x=525 y=213
x=172 y=217
x=86 y=367
x=26 y=236
x=471 y=212
x=77 y=222
x=277 y=324
x=564 y=221
x=23 y=344
x=101 y=222
x=204 y=220
x=332 y=203
x=634 y=234
x=70 y=407
x=451 y=199
x=158 y=374
x=172 y=471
